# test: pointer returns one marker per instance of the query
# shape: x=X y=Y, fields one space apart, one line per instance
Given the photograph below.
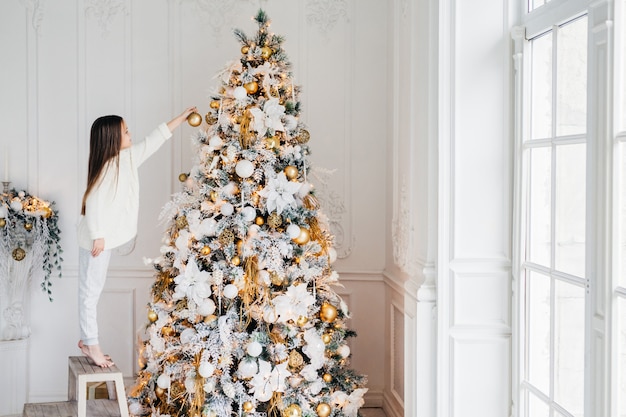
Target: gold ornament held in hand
x=194 y=119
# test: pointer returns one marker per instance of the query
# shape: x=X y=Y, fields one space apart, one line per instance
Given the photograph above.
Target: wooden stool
x=81 y=371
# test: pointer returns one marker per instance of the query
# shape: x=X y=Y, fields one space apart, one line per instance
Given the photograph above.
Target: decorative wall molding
x=334 y=206
x=219 y=14
x=401 y=231
x=104 y=12
x=35 y=9
x=325 y=14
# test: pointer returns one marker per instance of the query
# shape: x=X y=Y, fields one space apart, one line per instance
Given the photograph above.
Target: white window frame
x=601 y=338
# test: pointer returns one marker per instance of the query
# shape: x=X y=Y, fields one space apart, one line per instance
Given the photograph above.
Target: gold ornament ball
x=167 y=331
x=251 y=87
x=323 y=410
x=248 y=406
x=215 y=104
x=210 y=119
x=328 y=313
x=3 y=222
x=210 y=319
x=259 y=221
x=47 y=212
x=266 y=52
x=182 y=177
x=304 y=136
x=326 y=338
x=214 y=196
x=194 y=119
x=272 y=142
x=152 y=316
x=206 y=250
x=293 y=410
x=274 y=220
x=291 y=172
x=159 y=391
x=239 y=245
x=235 y=260
x=327 y=378
x=245 y=49
x=276 y=279
x=303 y=237
x=295 y=359
x=28 y=226
x=302 y=320
x=19 y=254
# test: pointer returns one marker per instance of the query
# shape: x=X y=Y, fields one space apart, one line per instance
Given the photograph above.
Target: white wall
x=66 y=62
x=448 y=247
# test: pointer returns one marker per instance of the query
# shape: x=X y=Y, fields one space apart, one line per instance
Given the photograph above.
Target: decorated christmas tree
x=243 y=318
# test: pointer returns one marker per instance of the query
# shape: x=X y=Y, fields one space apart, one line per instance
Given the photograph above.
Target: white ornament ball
x=187 y=336
x=332 y=255
x=206 y=369
x=254 y=349
x=248 y=369
x=244 y=168
x=344 y=351
x=227 y=209
x=230 y=291
x=253 y=230
x=190 y=384
x=163 y=381
x=216 y=142
x=135 y=409
x=293 y=230
x=230 y=188
x=249 y=213
x=4 y=211
x=206 y=308
x=240 y=93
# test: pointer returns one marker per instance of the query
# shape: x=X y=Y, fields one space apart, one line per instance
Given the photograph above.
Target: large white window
x=570 y=193
x=552 y=272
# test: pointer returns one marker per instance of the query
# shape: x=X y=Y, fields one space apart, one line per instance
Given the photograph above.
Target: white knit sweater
x=112 y=206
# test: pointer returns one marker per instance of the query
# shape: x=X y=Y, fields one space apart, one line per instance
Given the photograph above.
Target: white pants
x=92 y=274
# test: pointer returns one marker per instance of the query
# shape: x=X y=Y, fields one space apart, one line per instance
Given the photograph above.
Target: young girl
x=109 y=212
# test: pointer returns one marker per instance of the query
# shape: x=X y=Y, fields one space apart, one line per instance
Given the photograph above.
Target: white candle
x=6 y=164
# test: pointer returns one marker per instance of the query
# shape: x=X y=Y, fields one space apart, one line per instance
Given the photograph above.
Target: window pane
x=569 y=346
x=621 y=346
x=538 y=331
x=622 y=215
x=540 y=202
x=621 y=72
x=536 y=407
x=571 y=73
x=570 y=209
x=541 y=86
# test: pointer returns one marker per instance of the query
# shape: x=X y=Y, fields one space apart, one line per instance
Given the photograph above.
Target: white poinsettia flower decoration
x=294 y=303
x=268 y=118
x=268 y=380
x=279 y=193
x=268 y=71
x=349 y=404
x=194 y=284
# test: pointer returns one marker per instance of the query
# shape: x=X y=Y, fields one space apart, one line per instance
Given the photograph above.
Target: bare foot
x=94 y=353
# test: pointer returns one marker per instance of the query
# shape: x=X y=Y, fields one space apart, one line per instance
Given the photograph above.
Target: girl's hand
x=178 y=120
x=98 y=247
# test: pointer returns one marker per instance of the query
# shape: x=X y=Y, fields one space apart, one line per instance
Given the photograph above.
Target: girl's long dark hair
x=105 y=143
